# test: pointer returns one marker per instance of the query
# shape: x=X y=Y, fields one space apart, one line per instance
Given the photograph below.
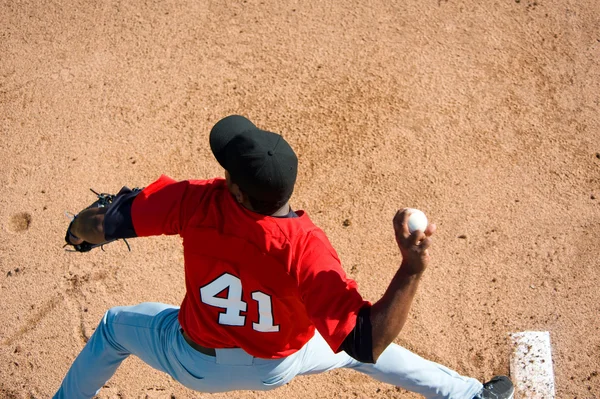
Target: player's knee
x=111 y=315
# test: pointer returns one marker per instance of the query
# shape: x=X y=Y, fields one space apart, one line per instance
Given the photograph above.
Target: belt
x=202 y=349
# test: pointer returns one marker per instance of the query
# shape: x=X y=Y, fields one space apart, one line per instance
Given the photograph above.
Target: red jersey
x=256 y=282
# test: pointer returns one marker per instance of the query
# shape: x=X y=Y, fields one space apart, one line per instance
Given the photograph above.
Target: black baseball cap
x=262 y=163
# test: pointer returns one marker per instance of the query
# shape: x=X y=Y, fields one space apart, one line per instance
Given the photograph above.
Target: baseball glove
x=104 y=200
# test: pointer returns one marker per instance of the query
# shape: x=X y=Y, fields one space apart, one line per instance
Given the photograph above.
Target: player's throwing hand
x=413 y=247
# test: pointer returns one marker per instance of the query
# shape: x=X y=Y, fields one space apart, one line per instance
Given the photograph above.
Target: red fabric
x=237 y=261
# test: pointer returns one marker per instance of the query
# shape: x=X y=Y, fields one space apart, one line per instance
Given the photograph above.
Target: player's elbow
x=359 y=342
x=363 y=355
x=368 y=358
x=376 y=352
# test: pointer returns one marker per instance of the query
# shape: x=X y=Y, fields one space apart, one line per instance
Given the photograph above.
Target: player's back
x=242 y=287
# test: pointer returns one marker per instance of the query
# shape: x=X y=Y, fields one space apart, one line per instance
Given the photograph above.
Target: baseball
x=417 y=220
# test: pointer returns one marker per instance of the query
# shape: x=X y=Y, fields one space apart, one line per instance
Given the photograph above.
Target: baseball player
x=266 y=297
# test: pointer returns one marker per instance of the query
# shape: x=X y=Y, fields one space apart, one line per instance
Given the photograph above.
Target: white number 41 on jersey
x=234 y=305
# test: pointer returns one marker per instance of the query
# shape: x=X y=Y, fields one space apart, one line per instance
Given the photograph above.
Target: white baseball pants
x=151 y=332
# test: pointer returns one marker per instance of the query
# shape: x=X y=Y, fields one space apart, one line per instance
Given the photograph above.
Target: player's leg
x=146 y=330
x=396 y=366
x=317 y=357
x=400 y=367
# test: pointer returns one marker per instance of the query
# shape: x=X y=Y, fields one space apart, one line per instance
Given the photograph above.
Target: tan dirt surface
x=484 y=114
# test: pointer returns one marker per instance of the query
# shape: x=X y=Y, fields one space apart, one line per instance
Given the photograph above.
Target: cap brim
x=224 y=131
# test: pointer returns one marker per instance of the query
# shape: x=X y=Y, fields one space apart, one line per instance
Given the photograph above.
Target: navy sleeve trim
x=117 y=220
x=359 y=343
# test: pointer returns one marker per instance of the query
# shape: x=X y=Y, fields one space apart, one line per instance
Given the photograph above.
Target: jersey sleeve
x=163 y=207
x=331 y=298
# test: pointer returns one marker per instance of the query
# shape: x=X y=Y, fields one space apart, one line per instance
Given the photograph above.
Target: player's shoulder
x=202 y=188
x=297 y=227
x=205 y=193
x=166 y=182
x=317 y=238
x=215 y=182
x=312 y=250
x=305 y=235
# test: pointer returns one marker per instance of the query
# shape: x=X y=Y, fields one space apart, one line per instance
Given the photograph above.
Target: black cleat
x=499 y=387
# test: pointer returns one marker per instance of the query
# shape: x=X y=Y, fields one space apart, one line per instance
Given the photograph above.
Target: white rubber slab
x=531 y=365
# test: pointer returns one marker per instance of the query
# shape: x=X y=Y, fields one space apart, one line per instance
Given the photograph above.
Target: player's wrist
x=411 y=269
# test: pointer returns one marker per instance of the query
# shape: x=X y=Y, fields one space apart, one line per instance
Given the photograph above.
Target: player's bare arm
x=389 y=314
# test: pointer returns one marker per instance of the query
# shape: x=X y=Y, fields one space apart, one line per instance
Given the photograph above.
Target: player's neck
x=283 y=211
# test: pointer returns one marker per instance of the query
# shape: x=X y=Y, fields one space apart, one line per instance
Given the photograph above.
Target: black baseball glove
x=104 y=200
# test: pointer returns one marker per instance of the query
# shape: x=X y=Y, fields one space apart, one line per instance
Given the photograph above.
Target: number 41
x=234 y=305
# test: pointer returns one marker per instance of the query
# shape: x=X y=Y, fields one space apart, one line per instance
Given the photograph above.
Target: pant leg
x=151 y=332
x=401 y=367
x=143 y=330
x=396 y=366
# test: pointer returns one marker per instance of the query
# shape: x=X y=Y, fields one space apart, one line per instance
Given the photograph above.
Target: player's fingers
x=416 y=237
x=401 y=223
x=74 y=240
x=431 y=228
x=425 y=243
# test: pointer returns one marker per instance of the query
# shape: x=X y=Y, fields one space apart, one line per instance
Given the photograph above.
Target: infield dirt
x=483 y=114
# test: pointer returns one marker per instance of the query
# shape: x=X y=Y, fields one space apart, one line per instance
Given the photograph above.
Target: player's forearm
x=389 y=314
x=89 y=225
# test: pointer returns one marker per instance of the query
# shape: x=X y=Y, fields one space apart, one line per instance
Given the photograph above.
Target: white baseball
x=417 y=220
